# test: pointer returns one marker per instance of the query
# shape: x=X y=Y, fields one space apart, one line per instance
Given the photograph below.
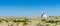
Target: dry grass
x=24 y=21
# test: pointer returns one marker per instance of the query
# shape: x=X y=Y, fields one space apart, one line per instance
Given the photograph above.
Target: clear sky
x=29 y=7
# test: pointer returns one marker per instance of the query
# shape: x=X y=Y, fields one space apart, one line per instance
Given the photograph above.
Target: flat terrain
x=25 y=21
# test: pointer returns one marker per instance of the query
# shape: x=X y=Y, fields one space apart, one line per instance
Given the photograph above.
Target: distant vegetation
x=25 y=21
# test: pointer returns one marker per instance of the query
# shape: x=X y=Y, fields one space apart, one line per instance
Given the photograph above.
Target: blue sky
x=29 y=7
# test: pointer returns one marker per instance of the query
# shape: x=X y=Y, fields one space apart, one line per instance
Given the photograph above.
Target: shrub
x=40 y=24
x=17 y=21
x=43 y=19
x=52 y=21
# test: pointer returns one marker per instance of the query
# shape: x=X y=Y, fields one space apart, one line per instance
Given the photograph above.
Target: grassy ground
x=24 y=21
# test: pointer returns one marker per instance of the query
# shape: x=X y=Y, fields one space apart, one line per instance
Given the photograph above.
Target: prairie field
x=33 y=21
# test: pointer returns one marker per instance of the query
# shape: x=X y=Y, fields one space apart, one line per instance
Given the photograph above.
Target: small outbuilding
x=43 y=15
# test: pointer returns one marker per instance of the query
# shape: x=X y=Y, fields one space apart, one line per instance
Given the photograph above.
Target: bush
x=17 y=21
x=40 y=24
x=52 y=21
x=43 y=19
